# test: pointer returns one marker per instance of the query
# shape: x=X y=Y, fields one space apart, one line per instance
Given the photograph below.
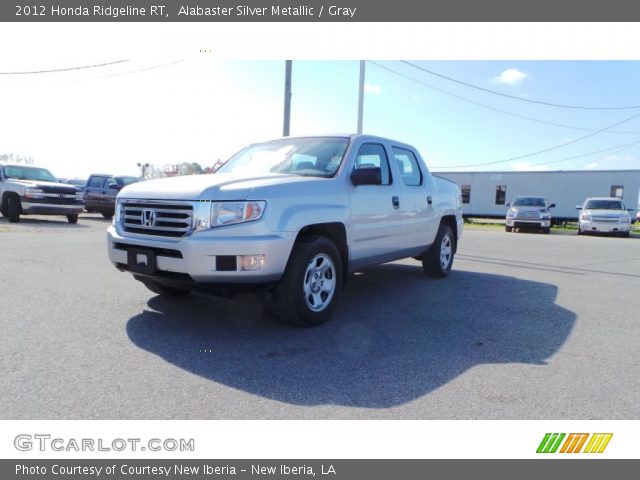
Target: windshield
x=29 y=173
x=604 y=205
x=315 y=157
x=529 y=202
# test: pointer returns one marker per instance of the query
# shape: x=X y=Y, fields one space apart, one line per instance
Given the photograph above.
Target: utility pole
x=287 y=99
x=361 y=96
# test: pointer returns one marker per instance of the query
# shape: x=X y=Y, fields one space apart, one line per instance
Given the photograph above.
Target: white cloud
x=510 y=77
x=375 y=89
x=614 y=162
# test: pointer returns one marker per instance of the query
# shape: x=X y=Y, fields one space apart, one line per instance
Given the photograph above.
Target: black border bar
x=319 y=11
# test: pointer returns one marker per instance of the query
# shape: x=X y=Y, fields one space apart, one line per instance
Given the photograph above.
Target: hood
x=216 y=186
x=530 y=209
x=606 y=213
x=47 y=187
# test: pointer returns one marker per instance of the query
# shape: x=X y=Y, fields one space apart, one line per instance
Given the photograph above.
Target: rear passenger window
x=408 y=166
x=373 y=155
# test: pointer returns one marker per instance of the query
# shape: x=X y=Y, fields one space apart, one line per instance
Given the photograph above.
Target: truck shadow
x=396 y=337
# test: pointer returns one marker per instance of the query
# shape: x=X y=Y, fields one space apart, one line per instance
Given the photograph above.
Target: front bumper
x=518 y=223
x=196 y=258
x=591 y=226
x=50 y=209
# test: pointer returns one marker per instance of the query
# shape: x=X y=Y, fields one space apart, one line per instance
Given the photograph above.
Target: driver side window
x=374 y=155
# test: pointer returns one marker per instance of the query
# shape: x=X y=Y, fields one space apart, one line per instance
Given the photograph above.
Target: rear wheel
x=13 y=209
x=437 y=261
x=163 y=290
x=311 y=284
x=107 y=215
x=72 y=218
x=546 y=230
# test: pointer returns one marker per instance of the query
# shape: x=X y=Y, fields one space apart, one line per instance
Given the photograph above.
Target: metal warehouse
x=484 y=194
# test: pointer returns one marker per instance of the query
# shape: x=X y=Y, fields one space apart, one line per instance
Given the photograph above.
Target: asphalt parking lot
x=527 y=326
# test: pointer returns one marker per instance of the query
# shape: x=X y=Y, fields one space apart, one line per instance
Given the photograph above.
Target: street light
x=143 y=170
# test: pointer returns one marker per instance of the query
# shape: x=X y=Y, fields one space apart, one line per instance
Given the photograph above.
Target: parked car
x=28 y=190
x=100 y=192
x=291 y=217
x=604 y=215
x=529 y=212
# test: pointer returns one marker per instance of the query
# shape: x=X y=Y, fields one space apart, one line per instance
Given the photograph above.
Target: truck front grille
x=527 y=215
x=157 y=218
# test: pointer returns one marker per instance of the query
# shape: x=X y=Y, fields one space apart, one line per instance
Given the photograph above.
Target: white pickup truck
x=291 y=216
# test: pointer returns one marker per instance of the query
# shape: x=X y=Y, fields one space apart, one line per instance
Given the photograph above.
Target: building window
x=466 y=193
x=617 y=191
x=501 y=193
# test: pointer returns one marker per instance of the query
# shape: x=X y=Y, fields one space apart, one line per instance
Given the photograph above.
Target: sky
x=485 y=115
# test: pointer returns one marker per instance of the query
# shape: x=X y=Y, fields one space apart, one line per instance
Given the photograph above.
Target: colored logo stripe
x=598 y=442
x=550 y=442
x=574 y=443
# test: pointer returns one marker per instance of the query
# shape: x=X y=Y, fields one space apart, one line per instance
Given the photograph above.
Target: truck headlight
x=512 y=212
x=586 y=217
x=545 y=215
x=625 y=219
x=230 y=213
x=33 y=193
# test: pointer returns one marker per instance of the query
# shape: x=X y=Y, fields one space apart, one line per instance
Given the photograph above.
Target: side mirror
x=114 y=186
x=630 y=209
x=578 y=207
x=553 y=205
x=367 y=176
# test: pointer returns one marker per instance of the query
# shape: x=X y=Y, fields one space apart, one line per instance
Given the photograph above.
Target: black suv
x=101 y=190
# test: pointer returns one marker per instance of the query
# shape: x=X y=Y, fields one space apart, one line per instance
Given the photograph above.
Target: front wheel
x=508 y=229
x=546 y=230
x=73 y=219
x=13 y=209
x=437 y=261
x=311 y=284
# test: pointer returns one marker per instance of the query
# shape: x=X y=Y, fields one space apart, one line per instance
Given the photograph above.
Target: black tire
x=73 y=219
x=626 y=234
x=508 y=229
x=437 y=262
x=311 y=284
x=163 y=290
x=580 y=232
x=107 y=215
x=13 y=209
x=546 y=230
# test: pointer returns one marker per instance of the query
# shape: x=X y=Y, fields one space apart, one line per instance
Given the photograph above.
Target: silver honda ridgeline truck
x=291 y=217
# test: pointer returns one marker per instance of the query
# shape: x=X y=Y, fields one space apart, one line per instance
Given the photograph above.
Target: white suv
x=604 y=215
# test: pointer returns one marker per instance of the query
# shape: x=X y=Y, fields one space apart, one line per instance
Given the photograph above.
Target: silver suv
x=529 y=212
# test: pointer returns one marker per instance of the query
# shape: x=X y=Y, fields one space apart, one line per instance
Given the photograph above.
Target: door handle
x=396 y=202
x=429 y=200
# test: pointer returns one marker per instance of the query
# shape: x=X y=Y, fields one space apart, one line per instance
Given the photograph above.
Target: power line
x=489 y=107
x=67 y=69
x=144 y=69
x=513 y=97
x=621 y=148
x=555 y=147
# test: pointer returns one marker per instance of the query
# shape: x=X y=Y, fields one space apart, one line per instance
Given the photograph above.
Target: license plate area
x=141 y=260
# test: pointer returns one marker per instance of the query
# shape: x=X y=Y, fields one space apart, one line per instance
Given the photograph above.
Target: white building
x=484 y=194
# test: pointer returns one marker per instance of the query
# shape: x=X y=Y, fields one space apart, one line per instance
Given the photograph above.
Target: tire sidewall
x=291 y=287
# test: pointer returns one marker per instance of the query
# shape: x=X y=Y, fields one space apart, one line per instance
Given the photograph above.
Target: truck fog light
x=251 y=262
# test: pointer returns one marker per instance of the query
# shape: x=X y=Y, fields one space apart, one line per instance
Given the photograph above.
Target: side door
x=373 y=220
x=416 y=199
x=93 y=192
